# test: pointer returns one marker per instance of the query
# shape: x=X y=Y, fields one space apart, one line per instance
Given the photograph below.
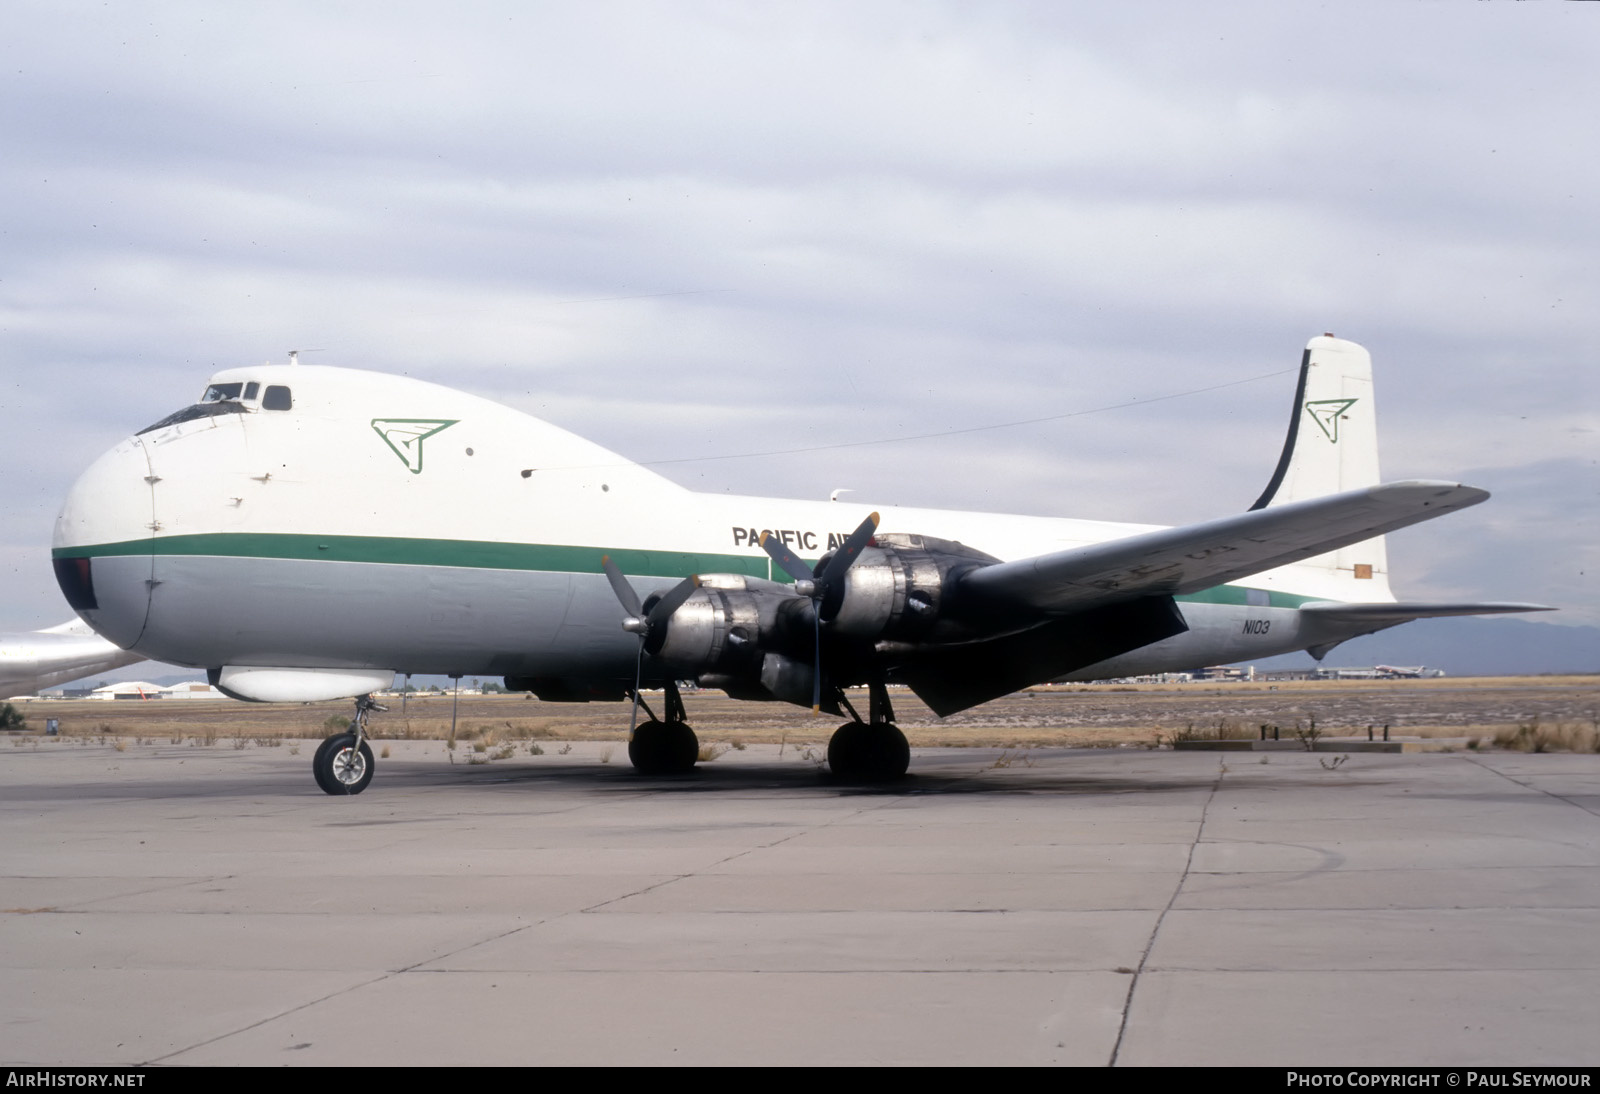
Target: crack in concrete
x=1478 y=760
x=1144 y=958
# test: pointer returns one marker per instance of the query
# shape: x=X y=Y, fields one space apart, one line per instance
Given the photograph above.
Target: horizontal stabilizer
x=1199 y=556
x=1404 y=611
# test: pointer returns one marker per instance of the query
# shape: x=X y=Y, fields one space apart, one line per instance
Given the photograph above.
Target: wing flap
x=953 y=678
x=1199 y=556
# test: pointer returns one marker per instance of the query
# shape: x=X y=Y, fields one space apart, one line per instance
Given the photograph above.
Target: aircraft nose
x=101 y=550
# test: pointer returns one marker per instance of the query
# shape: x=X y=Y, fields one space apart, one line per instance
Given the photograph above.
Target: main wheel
x=859 y=753
x=664 y=748
x=340 y=767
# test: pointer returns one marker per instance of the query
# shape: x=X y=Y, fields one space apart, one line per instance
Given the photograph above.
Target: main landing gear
x=871 y=751
x=874 y=751
x=664 y=748
x=343 y=763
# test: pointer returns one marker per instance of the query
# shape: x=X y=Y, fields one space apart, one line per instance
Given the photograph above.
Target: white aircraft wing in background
x=32 y=660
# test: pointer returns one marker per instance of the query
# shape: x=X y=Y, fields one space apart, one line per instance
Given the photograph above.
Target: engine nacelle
x=729 y=624
x=781 y=677
x=757 y=639
x=897 y=587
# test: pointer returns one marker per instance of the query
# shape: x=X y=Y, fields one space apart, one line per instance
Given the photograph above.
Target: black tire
x=327 y=743
x=339 y=768
x=859 y=753
x=664 y=748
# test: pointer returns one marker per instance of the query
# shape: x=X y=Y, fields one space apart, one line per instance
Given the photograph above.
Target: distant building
x=192 y=689
x=128 y=689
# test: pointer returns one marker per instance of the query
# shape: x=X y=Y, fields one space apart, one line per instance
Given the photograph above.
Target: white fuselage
x=384 y=523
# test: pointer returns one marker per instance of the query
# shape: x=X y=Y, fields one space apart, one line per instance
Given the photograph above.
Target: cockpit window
x=228 y=399
x=198 y=410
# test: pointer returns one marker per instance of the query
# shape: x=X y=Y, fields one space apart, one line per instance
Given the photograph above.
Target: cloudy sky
x=709 y=234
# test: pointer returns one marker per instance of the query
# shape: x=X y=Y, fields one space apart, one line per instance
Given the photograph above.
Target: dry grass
x=1225 y=730
x=1534 y=736
x=1076 y=716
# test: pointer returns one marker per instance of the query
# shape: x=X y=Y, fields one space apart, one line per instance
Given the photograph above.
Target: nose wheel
x=343 y=763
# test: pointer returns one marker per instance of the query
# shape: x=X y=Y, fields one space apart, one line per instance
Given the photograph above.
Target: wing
x=40 y=659
x=1198 y=556
x=1078 y=607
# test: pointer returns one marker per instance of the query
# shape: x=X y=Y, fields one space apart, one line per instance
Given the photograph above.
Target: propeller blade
x=786 y=559
x=638 y=674
x=816 y=664
x=848 y=552
x=620 y=586
x=842 y=560
x=663 y=608
x=646 y=626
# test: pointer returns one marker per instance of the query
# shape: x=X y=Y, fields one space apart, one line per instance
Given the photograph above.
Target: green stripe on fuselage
x=485 y=555
x=1239 y=595
x=462 y=553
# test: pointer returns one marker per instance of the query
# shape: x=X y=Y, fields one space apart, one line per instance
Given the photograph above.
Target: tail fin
x=1332 y=447
x=1332 y=444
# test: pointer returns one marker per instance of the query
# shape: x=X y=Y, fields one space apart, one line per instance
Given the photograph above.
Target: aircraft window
x=217 y=392
x=251 y=389
x=277 y=398
x=198 y=410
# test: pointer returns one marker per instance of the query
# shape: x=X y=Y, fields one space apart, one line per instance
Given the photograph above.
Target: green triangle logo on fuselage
x=404 y=436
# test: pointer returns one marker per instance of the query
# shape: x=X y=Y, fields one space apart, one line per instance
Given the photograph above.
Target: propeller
x=642 y=623
x=819 y=585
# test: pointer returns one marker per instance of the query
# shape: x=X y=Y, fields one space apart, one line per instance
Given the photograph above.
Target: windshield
x=198 y=410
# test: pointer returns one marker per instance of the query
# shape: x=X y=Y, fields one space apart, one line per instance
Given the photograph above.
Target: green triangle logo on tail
x=404 y=436
x=1327 y=412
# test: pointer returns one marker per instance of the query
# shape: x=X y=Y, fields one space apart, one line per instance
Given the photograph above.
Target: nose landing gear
x=343 y=763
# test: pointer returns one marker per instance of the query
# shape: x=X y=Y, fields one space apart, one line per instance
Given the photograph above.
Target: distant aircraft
x=33 y=660
x=305 y=533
